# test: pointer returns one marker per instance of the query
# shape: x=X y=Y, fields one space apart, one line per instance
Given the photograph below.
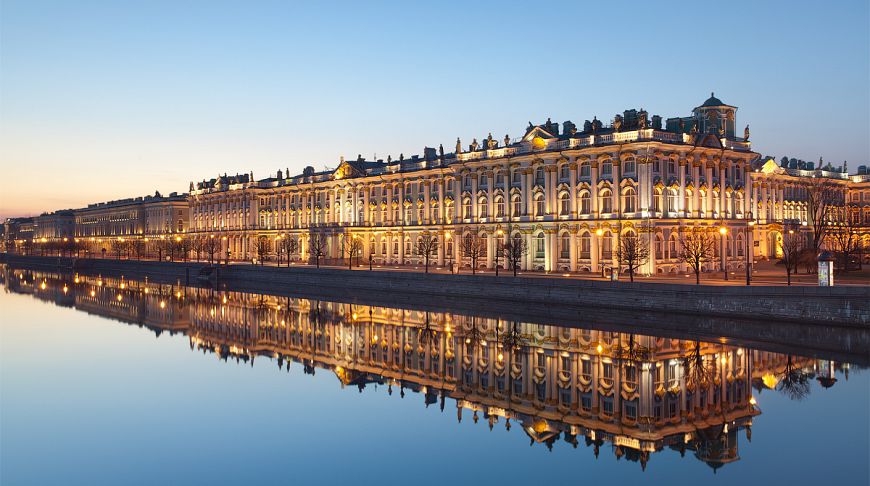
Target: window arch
x=516 y=206
x=564 y=204
x=607 y=245
x=605 y=201
x=585 y=202
x=565 y=245
x=539 y=245
x=539 y=205
x=585 y=245
x=499 y=207
x=629 y=200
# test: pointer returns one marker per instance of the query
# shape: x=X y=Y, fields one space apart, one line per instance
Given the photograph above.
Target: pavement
x=763 y=273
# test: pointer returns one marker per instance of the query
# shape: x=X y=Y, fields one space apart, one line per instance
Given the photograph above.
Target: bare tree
x=822 y=197
x=514 y=250
x=353 y=246
x=290 y=245
x=211 y=246
x=427 y=247
x=119 y=247
x=697 y=246
x=473 y=249
x=846 y=241
x=632 y=252
x=317 y=247
x=138 y=247
x=198 y=246
x=264 y=245
x=184 y=246
x=791 y=246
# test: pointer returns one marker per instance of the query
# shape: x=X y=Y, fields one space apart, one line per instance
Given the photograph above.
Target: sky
x=106 y=100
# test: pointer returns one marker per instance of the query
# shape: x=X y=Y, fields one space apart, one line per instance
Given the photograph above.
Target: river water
x=107 y=380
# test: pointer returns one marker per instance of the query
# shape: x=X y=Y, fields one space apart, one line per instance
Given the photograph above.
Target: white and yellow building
x=571 y=194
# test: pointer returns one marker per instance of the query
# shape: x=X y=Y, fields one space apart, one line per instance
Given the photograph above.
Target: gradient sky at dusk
x=104 y=100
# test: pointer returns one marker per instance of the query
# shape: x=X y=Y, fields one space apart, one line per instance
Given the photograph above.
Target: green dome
x=713 y=101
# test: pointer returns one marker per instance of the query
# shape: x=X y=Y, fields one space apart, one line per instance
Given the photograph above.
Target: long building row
x=569 y=194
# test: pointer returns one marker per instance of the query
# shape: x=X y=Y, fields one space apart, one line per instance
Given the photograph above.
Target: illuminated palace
x=633 y=393
x=570 y=192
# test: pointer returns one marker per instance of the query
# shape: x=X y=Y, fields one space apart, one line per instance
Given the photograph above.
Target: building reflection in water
x=634 y=394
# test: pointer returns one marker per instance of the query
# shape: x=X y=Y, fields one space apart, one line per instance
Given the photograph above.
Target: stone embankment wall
x=837 y=306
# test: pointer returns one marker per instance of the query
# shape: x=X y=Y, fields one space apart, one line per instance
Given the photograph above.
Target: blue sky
x=103 y=100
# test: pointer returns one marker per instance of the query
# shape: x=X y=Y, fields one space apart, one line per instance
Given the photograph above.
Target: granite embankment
x=829 y=306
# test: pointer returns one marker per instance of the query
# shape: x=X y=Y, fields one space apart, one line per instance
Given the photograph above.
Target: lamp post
x=447 y=237
x=227 y=259
x=749 y=256
x=600 y=233
x=498 y=233
x=722 y=250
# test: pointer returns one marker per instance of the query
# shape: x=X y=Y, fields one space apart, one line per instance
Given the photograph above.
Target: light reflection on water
x=491 y=399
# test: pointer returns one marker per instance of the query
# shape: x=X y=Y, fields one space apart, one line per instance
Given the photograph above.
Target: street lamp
x=499 y=233
x=600 y=232
x=749 y=238
x=724 y=232
x=447 y=237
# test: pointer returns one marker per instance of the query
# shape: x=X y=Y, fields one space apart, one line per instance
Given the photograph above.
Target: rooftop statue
x=746 y=133
x=617 y=123
x=458 y=146
x=507 y=140
x=474 y=145
x=490 y=143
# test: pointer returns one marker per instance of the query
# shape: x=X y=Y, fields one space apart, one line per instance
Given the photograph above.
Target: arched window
x=673 y=200
x=539 y=205
x=585 y=202
x=629 y=200
x=539 y=245
x=657 y=200
x=564 y=204
x=499 y=207
x=565 y=246
x=607 y=246
x=605 y=201
x=484 y=245
x=660 y=247
x=673 y=246
x=483 y=207
x=466 y=208
x=585 y=245
x=516 y=206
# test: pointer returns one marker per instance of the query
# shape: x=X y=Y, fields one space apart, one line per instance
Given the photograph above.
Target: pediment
x=709 y=140
x=537 y=132
x=346 y=170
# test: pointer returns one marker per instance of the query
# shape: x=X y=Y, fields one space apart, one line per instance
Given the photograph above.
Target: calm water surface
x=113 y=381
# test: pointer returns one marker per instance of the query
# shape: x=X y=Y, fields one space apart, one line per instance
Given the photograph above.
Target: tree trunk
x=698 y=276
x=788 y=275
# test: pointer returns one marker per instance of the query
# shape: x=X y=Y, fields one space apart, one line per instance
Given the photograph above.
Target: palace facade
x=571 y=194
